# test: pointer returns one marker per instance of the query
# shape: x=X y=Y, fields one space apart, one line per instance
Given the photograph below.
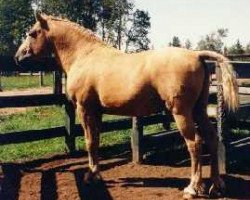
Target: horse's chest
x=77 y=87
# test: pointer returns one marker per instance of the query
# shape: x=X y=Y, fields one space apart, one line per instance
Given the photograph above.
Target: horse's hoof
x=189 y=193
x=201 y=189
x=188 y=196
x=92 y=178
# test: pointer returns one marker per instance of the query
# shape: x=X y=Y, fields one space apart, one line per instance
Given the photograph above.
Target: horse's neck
x=68 y=45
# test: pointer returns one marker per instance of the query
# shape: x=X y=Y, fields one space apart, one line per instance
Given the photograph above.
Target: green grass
x=36 y=118
x=48 y=117
x=24 y=82
x=52 y=116
x=241 y=132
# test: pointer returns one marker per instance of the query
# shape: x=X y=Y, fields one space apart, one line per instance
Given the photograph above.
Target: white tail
x=229 y=82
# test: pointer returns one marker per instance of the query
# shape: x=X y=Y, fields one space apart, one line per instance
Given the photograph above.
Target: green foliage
x=138 y=33
x=110 y=18
x=114 y=26
x=175 y=42
x=213 y=41
x=237 y=48
x=83 y=12
x=15 y=17
x=247 y=49
x=120 y=25
x=188 y=44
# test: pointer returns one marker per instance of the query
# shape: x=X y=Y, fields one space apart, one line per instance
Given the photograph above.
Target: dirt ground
x=61 y=177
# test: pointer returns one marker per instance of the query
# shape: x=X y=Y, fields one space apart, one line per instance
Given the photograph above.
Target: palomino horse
x=102 y=79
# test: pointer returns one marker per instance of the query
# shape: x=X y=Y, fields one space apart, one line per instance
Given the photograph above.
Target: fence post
x=57 y=80
x=136 y=139
x=1 y=82
x=69 y=124
x=221 y=124
x=41 y=79
x=165 y=120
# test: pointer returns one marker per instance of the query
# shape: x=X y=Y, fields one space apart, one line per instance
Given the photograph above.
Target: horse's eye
x=33 y=34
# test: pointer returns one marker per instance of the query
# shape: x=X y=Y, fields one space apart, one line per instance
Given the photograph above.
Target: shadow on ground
x=75 y=163
x=238 y=187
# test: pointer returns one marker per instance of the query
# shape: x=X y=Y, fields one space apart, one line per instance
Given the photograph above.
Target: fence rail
x=70 y=131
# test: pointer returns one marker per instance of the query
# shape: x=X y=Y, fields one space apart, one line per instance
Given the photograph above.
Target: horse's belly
x=139 y=105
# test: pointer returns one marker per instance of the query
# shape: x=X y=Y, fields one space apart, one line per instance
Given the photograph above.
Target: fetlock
x=92 y=177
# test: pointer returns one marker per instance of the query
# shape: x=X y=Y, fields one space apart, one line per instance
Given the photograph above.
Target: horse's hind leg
x=211 y=139
x=91 y=122
x=187 y=129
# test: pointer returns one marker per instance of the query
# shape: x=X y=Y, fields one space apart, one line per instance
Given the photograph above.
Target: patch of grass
x=25 y=81
x=31 y=150
x=153 y=129
x=241 y=132
x=33 y=119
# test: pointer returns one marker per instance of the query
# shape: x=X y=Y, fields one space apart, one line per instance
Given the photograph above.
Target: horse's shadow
x=172 y=182
x=93 y=191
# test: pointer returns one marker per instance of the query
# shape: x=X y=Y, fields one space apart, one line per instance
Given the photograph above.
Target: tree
x=106 y=17
x=188 y=44
x=237 y=48
x=15 y=17
x=247 y=49
x=213 y=41
x=175 y=42
x=83 y=12
x=137 y=35
x=122 y=26
x=116 y=26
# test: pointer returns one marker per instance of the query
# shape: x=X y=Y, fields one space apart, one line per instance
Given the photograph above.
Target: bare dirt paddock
x=61 y=177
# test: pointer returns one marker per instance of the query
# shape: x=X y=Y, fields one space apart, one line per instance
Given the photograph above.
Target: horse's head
x=36 y=45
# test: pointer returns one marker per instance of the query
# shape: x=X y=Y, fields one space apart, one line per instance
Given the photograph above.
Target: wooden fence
x=71 y=130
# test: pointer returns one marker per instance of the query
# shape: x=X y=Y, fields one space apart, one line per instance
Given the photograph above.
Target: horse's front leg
x=91 y=122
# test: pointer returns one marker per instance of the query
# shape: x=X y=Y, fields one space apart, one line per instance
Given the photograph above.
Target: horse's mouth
x=21 y=59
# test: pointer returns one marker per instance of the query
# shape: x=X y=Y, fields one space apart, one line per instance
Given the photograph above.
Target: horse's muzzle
x=20 y=58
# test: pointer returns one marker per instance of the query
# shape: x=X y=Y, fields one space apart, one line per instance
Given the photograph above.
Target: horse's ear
x=40 y=18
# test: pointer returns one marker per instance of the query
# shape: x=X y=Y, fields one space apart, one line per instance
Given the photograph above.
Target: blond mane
x=86 y=33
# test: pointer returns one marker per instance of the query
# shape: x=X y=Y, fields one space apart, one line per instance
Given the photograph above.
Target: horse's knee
x=89 y=145
x=194 y=147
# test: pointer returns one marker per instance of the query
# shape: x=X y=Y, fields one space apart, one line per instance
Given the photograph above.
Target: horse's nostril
x=29 y=51
x=24 y=51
